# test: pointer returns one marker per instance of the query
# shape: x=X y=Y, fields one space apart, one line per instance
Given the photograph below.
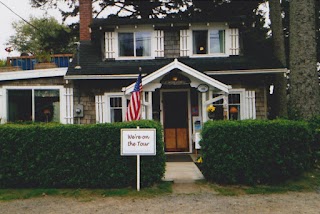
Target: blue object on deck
x=28 y=62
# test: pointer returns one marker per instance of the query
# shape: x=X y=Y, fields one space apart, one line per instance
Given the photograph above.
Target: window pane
x=217 y=41
x=116 y=115
x=47 y=105
x=19 y=105
x=143 y=44
x=234 y=98
x=126 y=47
x=200 y=42
x=115 y=109
x=115 y=102
x=234 y=106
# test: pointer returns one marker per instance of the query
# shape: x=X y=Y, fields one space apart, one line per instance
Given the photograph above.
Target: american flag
x=134 y=107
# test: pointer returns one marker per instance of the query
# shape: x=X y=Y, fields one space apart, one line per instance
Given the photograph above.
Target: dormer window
x=208 y=41
x=136 y=44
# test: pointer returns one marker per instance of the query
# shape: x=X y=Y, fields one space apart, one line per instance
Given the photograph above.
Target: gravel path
x=200 y=202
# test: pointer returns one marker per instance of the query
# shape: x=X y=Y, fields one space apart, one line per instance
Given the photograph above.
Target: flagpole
x=141 y=98
x=138 y=169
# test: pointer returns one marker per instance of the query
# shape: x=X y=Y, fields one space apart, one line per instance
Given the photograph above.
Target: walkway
x=182 y=172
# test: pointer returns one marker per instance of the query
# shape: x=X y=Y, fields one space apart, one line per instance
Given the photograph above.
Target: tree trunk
x=280 y=85
x=304 y=101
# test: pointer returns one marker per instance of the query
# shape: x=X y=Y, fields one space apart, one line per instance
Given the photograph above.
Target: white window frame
x=208 y=27
x=108 y=96
x=153 y=43
x=241 y=92
x=5 y=109
x=208 y=32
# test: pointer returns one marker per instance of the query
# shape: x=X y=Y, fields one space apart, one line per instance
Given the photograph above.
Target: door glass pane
x=19 y=105
x=200 y=42
x=176 y=109
x=217 y=41
x=143 y=44
x=47 y=105
x=126 y=47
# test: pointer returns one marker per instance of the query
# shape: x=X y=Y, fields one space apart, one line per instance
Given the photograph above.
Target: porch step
x=182 y=172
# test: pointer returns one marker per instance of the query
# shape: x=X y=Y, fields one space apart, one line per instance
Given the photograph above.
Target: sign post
x=138 y=173
x=138 y=142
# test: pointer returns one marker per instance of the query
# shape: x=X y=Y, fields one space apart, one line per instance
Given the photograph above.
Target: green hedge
x=254 y=151
x=74 y=156
x=314 y=124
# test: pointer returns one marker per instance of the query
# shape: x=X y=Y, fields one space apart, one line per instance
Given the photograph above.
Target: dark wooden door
x=175 y=118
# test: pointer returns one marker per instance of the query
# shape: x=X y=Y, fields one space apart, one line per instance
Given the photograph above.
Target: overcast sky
x=23 y=8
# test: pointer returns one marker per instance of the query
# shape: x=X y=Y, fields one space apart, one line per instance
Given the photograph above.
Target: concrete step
x=182 y=172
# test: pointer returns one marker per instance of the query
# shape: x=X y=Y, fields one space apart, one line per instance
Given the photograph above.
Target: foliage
x=73 y=156
x=253 y=152
x=158 y=8
x=3 y=62
x=211 y=108
x=314 y=124
x=43 y=36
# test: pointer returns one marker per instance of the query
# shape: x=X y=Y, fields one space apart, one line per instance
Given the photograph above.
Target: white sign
x=138 y=142
x=197 y=139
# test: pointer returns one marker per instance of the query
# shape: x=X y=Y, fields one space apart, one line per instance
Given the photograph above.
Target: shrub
x=74 y=156
x=314 y=124
x=253 y=151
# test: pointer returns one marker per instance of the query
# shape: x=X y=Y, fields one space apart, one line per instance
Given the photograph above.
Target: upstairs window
x=137 y=44
x=208 y=41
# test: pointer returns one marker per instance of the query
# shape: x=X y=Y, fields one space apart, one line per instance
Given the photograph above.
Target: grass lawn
x=85 y=194
x=308 y=182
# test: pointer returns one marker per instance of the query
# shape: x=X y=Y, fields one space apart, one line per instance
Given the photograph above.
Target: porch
x=178 y=96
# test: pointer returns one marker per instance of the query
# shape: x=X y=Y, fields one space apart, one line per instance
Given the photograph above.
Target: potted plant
x=44 y=60
x=211 y=109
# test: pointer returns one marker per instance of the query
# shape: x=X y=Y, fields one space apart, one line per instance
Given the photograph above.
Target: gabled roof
x=185 y=69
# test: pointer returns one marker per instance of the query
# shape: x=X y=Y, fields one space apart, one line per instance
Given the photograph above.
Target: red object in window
x=233 y=110
x=46 y=111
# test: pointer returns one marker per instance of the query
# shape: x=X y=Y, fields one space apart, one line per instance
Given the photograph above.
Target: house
x=186 y=66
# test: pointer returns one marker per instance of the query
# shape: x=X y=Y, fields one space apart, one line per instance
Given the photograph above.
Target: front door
x=175 y=121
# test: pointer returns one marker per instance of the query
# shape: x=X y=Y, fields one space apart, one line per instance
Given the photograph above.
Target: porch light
x=175 y=78
x=233 y=110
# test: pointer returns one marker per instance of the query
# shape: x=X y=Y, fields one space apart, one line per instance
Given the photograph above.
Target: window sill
x=134 y=58
x=208 y=55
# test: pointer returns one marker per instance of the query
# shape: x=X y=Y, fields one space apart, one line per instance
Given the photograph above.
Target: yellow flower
x=199 y=160
x=211 y=108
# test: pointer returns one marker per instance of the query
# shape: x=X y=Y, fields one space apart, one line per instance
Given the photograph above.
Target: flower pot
x=211 y=115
